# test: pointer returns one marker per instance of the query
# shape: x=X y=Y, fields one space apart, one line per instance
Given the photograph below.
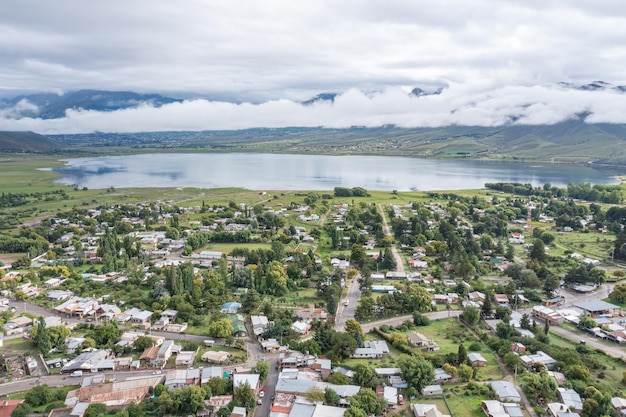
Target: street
x=347 y=312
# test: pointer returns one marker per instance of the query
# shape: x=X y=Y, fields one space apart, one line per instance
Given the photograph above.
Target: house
x=518 y=348
x=59 y=295
x=516 y=238
x=506 y=391
x=493 y=408
x=422 y=342
x=215 y=357
x=239 y=412
x=53 y=282
x=373 y=349
x=77 y=306
x=442 y=376
x=476 y=296
x=432 y=390
x=538 y=358
x=251 y=379
x=570 y=398
x=501 y=300
x=185 y=358
x=618 y=404
x=216 y=402
x=259 y=324
x=547 y=314
x=558 y=410
x=476 y=359
x=231 y=307
x=86 y=361
x=395 y=275
x=301 y=327
x=427 y=410
x=311 y=313
x=8 y=406
x=598 y=308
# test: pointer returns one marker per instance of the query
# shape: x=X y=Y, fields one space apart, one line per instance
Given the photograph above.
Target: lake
x=260 y=171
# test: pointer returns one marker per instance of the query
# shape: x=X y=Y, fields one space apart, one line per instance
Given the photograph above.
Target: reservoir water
x=260 y=171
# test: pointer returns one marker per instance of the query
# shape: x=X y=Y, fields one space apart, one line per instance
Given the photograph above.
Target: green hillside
x=26 y=142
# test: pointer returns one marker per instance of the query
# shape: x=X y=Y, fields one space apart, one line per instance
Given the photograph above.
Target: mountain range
x=53 y=106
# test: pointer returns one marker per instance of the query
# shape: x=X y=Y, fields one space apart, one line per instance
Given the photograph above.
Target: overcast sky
x=251 y=62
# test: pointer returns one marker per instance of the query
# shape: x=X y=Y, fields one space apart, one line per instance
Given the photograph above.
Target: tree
x=95 y=410
x=331 y=397
x=40 y=336
x=470 y=315
x=220 y=328
x=465 y=372
x=244 y=396
x=262 y=368
x=579 y=372
x=450 y=369
x=461 y=354
x=315 y=395
x=416 y=371
x=219 y=386
x=353 y=328
x=538 y=251
x=338 y=378
x=512 y=360
x=525 y=322
x=364 y=375
x=367 y=401
x=539 y=385
x=142 y=343
x=618 y=295
x=420 y=320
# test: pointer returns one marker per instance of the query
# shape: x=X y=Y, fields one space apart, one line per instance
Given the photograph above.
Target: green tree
x=416 y=371
x=465 y=372
x=331 y=397
x=219 y=386
x=470 y=315
x=244 y=396
x=262 y=368
x=364 y=375
x=539 y=385
x=338 y=378
x=220 y=328
x=461 y=356
x=95 y=410
x=142 y=343
x=315 y=395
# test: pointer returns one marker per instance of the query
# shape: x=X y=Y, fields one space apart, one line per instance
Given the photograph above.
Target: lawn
x=464 y=404
x=228 y=247
x=448 y=333
x=18 y=345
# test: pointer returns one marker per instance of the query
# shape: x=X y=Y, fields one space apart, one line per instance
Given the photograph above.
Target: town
x=503 y=302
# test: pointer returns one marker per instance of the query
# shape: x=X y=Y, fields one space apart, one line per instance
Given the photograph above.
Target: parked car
x=400 y=399
x=259 y=401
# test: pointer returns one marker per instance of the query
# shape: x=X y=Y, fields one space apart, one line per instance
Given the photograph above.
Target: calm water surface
x=257 y=171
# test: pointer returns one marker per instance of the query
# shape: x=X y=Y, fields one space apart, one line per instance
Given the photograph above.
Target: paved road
x=394 y=249
x=347 y=312
x=264 y=409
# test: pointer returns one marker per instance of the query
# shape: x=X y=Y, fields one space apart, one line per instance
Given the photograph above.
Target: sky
x=242 y=64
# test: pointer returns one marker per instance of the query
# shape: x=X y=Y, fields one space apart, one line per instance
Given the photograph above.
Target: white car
x=259 y=402
x=262 y=394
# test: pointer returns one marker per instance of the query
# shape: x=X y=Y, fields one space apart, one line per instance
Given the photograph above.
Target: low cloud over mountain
x=477 y=104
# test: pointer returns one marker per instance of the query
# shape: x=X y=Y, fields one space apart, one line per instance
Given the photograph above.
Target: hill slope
x=26 y=142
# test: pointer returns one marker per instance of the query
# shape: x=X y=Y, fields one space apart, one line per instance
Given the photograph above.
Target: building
x=86 y=361
x=547 y=314
x=231 y=307
x=427 y=410
x=538 y=358
x=259 y=324
x=506 y=391
x=422 y=342
x=372 y=349
x=598 y=308
x=493 y=408
x=432 y=390
x=252 y=380
x=311 y=313
x=476 y=359
x=570 y=398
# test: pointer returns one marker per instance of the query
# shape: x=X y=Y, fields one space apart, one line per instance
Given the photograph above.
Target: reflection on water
x=314 y=172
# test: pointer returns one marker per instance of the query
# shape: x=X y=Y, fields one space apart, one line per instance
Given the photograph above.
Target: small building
x=185 y=358
x=251 y=379
x=427 y=410
x=422 y=342
x=598 y=308
x=215 y=357
x=231 y=307
x=506 y=391
x=493 y=408
x=476 y=359
x=570 y=398
x=432 y=390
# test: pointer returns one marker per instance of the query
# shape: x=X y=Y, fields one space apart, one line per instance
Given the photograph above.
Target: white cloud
x=458 y=104
x=500 y=60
